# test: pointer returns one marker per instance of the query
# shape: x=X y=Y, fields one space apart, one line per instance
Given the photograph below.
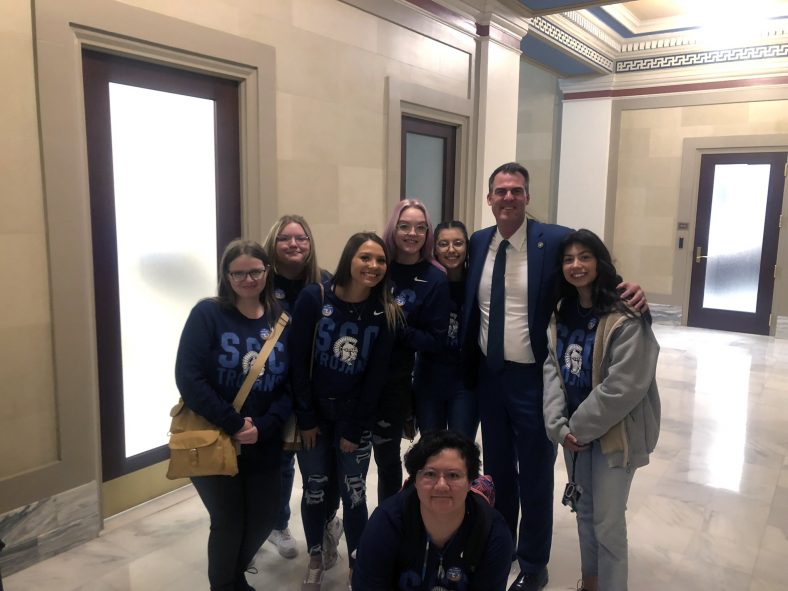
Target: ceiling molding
x=554 y=29
x=681 y=80
x=586 y=38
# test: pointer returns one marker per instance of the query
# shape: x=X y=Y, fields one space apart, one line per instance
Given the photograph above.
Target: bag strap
x=410 y=553
x=259 y=364
x=480 y=532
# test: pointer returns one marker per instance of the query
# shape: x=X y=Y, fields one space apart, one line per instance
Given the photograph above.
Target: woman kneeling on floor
x=436 y=532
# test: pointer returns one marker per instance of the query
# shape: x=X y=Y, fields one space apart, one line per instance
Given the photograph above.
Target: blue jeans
x=442 y=400
x=288 y=475
x=519 y=456
x=242 y=509
x=351 y=475
x=601 y=520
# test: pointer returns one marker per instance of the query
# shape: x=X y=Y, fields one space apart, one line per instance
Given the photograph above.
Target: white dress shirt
x=516 y=339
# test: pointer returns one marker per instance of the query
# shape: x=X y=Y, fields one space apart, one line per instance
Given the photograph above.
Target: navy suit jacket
x=543 y=268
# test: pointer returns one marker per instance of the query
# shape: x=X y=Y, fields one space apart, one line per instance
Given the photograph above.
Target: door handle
x=699 y=256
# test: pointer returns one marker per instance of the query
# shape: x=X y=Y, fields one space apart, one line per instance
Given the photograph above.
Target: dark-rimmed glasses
x=254 y=275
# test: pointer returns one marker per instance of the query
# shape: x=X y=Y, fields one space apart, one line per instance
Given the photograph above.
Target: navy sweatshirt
x=218 y=347
x=287 y=290
x=422 y=292
x=450 y=354
x=382 y=548
x=352 y=347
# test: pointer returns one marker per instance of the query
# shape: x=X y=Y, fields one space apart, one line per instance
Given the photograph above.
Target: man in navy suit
x=517 y=453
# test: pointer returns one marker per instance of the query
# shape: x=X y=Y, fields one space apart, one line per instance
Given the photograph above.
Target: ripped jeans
x=351 y=473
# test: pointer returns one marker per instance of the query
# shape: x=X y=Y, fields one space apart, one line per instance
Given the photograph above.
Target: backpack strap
x=410 y=554
x=411 y=548
x=481 y=524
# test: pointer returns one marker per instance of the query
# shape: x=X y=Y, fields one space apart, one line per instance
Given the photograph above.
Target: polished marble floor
x=709 y=512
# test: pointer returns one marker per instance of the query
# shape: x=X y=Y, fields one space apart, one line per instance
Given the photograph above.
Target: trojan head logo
x=248 y=361
x=454 y=326
x=573 y=359
x=345 y=349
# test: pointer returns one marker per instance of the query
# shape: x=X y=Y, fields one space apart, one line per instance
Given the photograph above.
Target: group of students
x=365 y=352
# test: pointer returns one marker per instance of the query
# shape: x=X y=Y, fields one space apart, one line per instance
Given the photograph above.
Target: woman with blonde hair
x=294 y=259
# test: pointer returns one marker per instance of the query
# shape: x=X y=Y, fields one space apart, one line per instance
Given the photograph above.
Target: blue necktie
x=497 y=310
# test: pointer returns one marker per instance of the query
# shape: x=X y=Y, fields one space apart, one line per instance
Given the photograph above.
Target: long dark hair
x=226 y=296
x=451 y=225
x=382 y=291
x=605 y=295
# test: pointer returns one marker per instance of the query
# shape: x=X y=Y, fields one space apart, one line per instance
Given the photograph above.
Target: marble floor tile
x=709 y=512
x=770 y=572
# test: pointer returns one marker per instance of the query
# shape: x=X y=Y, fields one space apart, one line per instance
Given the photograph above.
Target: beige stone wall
x=332 y=65
x=28 y=434
x=332 y=61
x=647 y=198
x=537 y=136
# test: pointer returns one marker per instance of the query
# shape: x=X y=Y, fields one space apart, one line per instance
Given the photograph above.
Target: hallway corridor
x=709 y=512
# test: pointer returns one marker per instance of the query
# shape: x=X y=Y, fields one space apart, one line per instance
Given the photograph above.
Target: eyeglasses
x=444 y=244
x=431 y=477
x=254 y=274
x=300 y=239
x=407 y=228
x=515 y=191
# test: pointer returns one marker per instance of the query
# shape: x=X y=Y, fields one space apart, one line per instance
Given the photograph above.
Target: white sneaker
x=313 y=579
x=331 y=535
x=284 y=542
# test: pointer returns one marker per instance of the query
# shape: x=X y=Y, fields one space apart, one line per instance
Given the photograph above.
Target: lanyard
x=441 y=573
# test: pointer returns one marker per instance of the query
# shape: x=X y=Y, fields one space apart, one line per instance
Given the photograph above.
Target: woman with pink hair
x=421 y=290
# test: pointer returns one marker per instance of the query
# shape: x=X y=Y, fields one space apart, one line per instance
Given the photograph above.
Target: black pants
x=394 y=406
x=243 y=511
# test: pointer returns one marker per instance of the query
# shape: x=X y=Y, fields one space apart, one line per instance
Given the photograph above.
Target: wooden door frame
x=759 y=321
x=62 y=29
x=99 y=69
x=692 y=150
x=405 y=98
x=447 y=133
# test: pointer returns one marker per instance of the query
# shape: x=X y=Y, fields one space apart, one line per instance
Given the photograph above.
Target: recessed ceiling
x=561 y=34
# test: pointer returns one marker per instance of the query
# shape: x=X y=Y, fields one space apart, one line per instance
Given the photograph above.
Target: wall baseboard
x=48 y=527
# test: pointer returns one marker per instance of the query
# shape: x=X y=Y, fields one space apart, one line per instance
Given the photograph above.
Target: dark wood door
x=428 y=164
x=735 y=247
x=164 y=274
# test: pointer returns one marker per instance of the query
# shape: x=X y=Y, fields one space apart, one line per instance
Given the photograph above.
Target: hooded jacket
x=623 y=408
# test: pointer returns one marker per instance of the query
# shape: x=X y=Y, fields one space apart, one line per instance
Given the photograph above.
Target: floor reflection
x=720 y=414
x=709 y=511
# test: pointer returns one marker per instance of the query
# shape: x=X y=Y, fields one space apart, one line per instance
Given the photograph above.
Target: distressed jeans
x=288 y=475
x=351 y=474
